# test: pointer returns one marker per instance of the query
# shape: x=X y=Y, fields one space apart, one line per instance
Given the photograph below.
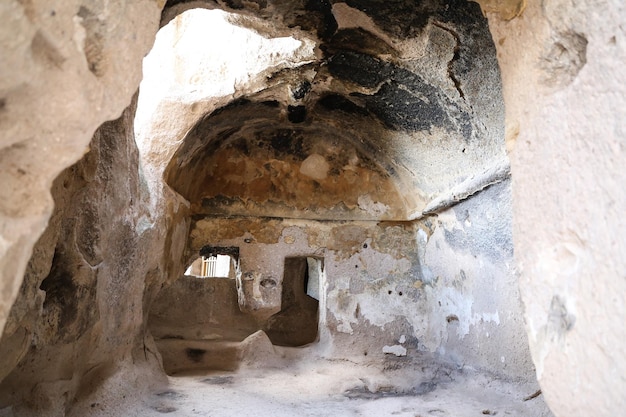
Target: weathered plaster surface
x=443 y=285
x=355 y=272
x=475 y=316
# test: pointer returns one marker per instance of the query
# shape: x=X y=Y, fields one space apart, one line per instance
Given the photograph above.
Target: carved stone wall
x=414 y=90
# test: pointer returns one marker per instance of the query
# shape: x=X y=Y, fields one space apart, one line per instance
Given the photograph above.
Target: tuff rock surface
x=365 y=138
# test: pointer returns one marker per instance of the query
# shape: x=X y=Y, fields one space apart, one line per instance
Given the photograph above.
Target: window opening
x=210 y=267
x=214 y=262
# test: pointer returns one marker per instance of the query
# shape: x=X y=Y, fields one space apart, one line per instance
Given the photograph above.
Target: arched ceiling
x=403 y=103
x=269 y=159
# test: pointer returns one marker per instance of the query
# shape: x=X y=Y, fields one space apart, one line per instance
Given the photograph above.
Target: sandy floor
x=341 y=388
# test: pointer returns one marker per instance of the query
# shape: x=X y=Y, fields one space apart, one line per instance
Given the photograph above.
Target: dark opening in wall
x=296 y=324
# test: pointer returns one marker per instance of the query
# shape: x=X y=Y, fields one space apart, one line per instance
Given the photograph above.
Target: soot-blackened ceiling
x=392 y=113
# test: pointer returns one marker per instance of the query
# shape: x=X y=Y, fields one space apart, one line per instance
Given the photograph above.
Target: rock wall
x=79 y=317
x=562 y=65
x=445 y=285
x=61 y=76
x=476 y=316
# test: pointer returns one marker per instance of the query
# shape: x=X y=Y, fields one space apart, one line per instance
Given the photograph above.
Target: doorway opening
x=296 y=324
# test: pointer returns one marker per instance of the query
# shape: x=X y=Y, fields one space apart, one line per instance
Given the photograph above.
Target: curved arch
x=248 y=159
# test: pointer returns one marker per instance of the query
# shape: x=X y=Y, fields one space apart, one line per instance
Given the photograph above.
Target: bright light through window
x=210 y=267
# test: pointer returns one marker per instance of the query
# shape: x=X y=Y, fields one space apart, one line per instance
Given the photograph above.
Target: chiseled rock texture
x=562 y=68
x=399 y=208
x=61 y=76
x=79 y=316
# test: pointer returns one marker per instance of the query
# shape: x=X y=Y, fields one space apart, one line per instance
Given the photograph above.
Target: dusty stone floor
x=338 y=388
